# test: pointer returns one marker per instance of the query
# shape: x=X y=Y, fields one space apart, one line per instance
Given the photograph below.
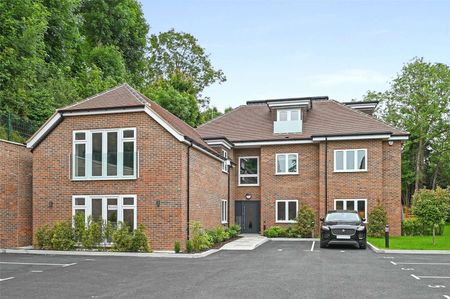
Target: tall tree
x=118 y=23
x=210 y=114
x=418 y=101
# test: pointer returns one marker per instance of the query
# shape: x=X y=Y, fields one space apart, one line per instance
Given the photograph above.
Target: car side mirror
x=322 y=219
x=363 y=219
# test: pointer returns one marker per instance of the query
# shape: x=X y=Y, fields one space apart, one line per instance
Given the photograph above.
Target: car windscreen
x=342 y=217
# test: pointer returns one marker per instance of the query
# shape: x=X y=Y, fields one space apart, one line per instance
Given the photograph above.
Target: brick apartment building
x=119 y=156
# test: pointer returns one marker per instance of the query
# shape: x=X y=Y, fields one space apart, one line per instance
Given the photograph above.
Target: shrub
x=63 y=237
x=234 y=230
x=292 y=232
x=44 y=237
x=218 y=235
x=139 y=241
x=377 y=221
x=275 y=232
x=189 y=246
x=122 y=238
x=412 y=227
x=79 y=226
x=177 y=247
x=92 y=236
x=305 y=221
x=200 y=239
x=108 y=229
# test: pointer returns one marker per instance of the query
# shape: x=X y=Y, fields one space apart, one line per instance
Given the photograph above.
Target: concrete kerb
x=393 y=251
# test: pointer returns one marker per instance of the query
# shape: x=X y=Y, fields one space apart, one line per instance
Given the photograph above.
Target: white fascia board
x=164 y=124
x=362 y=106
x=280 y=142
x=102 y=111
x=357 y=137
x=44 y=129
x=304 y=103
x=219 y=142
x=399 y=138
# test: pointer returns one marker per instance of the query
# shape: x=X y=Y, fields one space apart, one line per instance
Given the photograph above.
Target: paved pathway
x=247 y=242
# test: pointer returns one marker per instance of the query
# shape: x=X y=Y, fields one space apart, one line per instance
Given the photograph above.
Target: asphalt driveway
x=273 y=270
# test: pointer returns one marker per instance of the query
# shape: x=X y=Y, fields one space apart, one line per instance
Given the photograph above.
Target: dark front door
x=247 y=216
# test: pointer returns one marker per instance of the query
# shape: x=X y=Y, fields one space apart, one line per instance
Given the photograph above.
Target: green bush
x=92 y=235
x=108 y=229
x=377 y=221
x=412 y=227
x=234 y=230
x=200 y=239
x=276 y=232
x=44 y=237
x=305 y=221
x=189 y=246
x=218 y=235
x=79 y=226
x=292 y=232
x=139 y=241
x=177 y=247
x=122 y=238
x=63 y=237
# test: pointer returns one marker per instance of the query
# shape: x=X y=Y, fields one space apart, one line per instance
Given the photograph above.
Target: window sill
x=224 y=222
x=340 y=171
x=285 y=221
x=248 y=185
x=105 y=179
x=225 y=171
x=288 y=173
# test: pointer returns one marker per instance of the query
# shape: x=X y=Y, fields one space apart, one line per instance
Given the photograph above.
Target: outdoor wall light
x=50 y=204
x=248 y=196
x=390 y=142
x=158 y=203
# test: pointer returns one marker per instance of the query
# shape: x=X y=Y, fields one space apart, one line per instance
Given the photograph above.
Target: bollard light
x=386 y=236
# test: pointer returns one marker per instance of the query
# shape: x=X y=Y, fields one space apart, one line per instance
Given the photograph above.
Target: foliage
x=139 y=241
x=79 y=226
x=122 y=239
x=431 y=207
x=209 y=114
x=44 y=237
x=92 y=235
x=63 y=237
x=275 y=232
x=234 y=230
x=177 y=247
x=189 y=246
x=305 y=221
x=108 y=229
x=418 y=101
x=218 y=235
x=200 y=239
x=377 y=221
x=293 y=232
x=413 y=227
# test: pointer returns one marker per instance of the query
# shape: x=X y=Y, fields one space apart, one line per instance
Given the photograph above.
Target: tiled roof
x=124 y=96
x=326 y=118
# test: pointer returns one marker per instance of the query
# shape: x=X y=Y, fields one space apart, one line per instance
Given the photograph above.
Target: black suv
x=343 y=227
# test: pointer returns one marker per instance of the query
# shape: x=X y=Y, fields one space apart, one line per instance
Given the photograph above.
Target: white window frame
x=88 y=161
x=224 y=211
x=120 y=206
x=289 y=114
x=225 y=162
x=286 y=206
x=355 y=204
x=286 y=161
x=248 y=175
x=355 y=162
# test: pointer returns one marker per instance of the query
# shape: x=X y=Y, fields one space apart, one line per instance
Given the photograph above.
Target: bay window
x=104 y=154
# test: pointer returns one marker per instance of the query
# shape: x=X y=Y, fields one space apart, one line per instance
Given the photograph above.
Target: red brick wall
x=15 y=195
x=161 y=176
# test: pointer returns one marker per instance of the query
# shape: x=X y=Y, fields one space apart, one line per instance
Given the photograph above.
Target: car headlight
x=325 y=228
x=361 y=228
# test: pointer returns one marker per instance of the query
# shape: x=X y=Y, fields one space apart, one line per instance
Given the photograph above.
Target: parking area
x=274 y=270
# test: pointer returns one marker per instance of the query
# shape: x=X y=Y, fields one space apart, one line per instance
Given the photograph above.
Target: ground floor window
x=224 y=211
x=286 y=211
x=359 y=205
x=112 y=208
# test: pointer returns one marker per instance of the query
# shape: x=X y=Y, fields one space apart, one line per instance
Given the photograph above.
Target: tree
x=109 y=60
x=173 y=51
x=118 y=23
x=228 y=109
x=377 y=221
x=431 y=207
x=418 y=101
x=305 y=221
x=209 y=114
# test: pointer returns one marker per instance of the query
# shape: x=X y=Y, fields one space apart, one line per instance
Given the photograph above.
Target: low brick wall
x=15 y=195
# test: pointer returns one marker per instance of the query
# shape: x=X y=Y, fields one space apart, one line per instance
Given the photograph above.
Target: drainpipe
x=326 y=175
x=187 y=188
x=228 y=202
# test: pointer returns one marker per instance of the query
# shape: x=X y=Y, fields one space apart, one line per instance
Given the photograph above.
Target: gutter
x=188 y=195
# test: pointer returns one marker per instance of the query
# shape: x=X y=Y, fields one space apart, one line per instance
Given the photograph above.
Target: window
x=350 y=160
x=248 y=171
x=287 y=163
x=286 y=211
x=225 y=163
x=288 y=115
x=224 y=211
x=104 y=154
x=113 y=208
x=359 y=205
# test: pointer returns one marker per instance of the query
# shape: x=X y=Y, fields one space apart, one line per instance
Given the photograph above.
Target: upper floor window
x=248 y=171
x=287 y=163
x=224 y=163
x=288 y=121
x=288 y=115
x=104 y=154
x=350 y=160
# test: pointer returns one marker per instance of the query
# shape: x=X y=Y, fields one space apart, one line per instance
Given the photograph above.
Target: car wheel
x=323 y=245
x=363 y=245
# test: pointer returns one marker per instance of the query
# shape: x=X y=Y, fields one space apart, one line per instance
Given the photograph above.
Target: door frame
x=258 y=203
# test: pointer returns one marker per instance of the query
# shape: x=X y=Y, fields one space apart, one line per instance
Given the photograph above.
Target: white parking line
x=36 y=271
x=312 y=246
x=434 y=277
x=8 y=278
x=38 y=264
x=441 y=264
x=415 y=276
x=446 y=296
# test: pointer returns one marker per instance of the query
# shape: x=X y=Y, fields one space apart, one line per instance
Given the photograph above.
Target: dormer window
x=288 y=121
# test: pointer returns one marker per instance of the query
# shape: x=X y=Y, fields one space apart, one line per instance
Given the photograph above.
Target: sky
x=278 y=49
